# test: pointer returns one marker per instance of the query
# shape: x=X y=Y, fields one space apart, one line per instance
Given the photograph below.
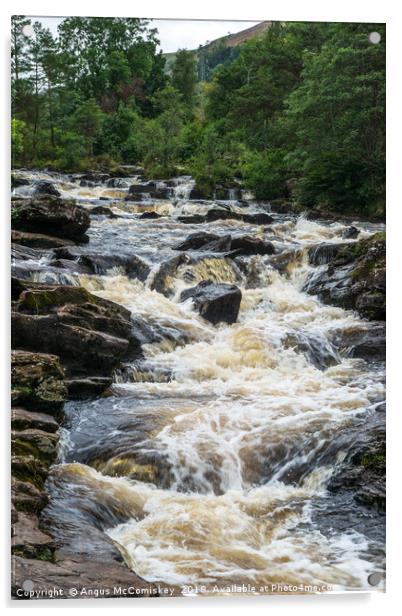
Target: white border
x=253 y=10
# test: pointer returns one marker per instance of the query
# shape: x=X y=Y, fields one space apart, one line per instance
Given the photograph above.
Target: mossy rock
x=37 y=381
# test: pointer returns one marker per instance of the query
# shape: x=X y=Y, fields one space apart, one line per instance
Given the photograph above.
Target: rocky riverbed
x=197 y=390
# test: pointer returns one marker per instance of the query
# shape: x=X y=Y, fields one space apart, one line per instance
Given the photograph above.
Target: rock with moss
x=37 y=381
x=89 y=334
x=354 y=278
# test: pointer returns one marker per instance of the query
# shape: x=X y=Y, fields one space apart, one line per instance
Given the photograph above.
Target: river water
x=208 y=461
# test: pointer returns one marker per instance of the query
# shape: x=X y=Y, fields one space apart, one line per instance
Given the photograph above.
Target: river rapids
x=208 y=461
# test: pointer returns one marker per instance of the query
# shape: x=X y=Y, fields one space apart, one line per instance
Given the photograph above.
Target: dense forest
x=298 y=113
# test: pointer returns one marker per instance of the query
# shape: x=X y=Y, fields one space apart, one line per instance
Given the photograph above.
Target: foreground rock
x=363 y=471
x=89 y=579
x=216 y=302
x=37 y=381
x=91 y=335
x=354 y=278
x=363 y=342
x=52 y=216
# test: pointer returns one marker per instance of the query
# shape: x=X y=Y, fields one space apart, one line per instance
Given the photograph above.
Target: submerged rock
x=355 y=278
x=52 y=216
x=216 y=302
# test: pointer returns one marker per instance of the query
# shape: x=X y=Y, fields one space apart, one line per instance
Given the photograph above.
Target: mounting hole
x=374 y=37
x=374 y=578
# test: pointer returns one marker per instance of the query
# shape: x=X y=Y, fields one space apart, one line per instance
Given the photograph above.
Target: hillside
x=220 y=50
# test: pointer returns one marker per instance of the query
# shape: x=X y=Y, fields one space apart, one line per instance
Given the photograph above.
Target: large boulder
x=216 y=302
x=354 y=278
x=50 y=215
x=37 y=381
x=90 y=334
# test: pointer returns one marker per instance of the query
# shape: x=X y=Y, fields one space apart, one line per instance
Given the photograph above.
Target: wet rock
x=89 y=387
x=195 y=219
x=162 y=278
x=362 y=342
x=52 y=216
x=351 y=233
x=17 y=180
x=216 y=302
x=38 y=240
x=26 y=497
x=150 y=190
x=29 y=541
x=45 y=188
x=29 y=469
x=222 y=214
x=363 y=469
x=317 y=349
x=248 y=245
x=150 y=215
x=259 y=218
x=221 y=244
x=133 y=266
x=116 y=183
x=72 y=266
x=104 y=575
x=21 y=419
x=355 y=278
x=87 y=332
x=37 y=381
x=195 y=241
x=210 y=242
x=102 y=210
x=282 y=260
x=324 y=253
x=32 y=441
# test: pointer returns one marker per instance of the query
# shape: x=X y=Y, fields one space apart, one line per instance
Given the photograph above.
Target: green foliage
x=265 y=173
x=184 y=76
x=18 y=128
x=305 y=101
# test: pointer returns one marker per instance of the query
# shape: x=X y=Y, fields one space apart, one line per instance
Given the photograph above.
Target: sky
x=177 y=34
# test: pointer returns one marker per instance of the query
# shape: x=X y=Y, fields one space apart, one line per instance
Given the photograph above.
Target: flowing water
x=209 y=461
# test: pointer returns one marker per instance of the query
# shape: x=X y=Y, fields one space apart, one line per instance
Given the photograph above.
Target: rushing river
x=209 y=461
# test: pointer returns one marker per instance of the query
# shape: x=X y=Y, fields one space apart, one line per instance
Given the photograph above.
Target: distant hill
x=222 y=50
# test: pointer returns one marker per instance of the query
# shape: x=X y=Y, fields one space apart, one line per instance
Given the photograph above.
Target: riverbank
x=169 y=337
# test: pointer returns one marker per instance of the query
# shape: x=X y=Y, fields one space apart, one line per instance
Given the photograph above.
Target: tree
x=87 y=122
x=337 y=115
x=184 y=76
